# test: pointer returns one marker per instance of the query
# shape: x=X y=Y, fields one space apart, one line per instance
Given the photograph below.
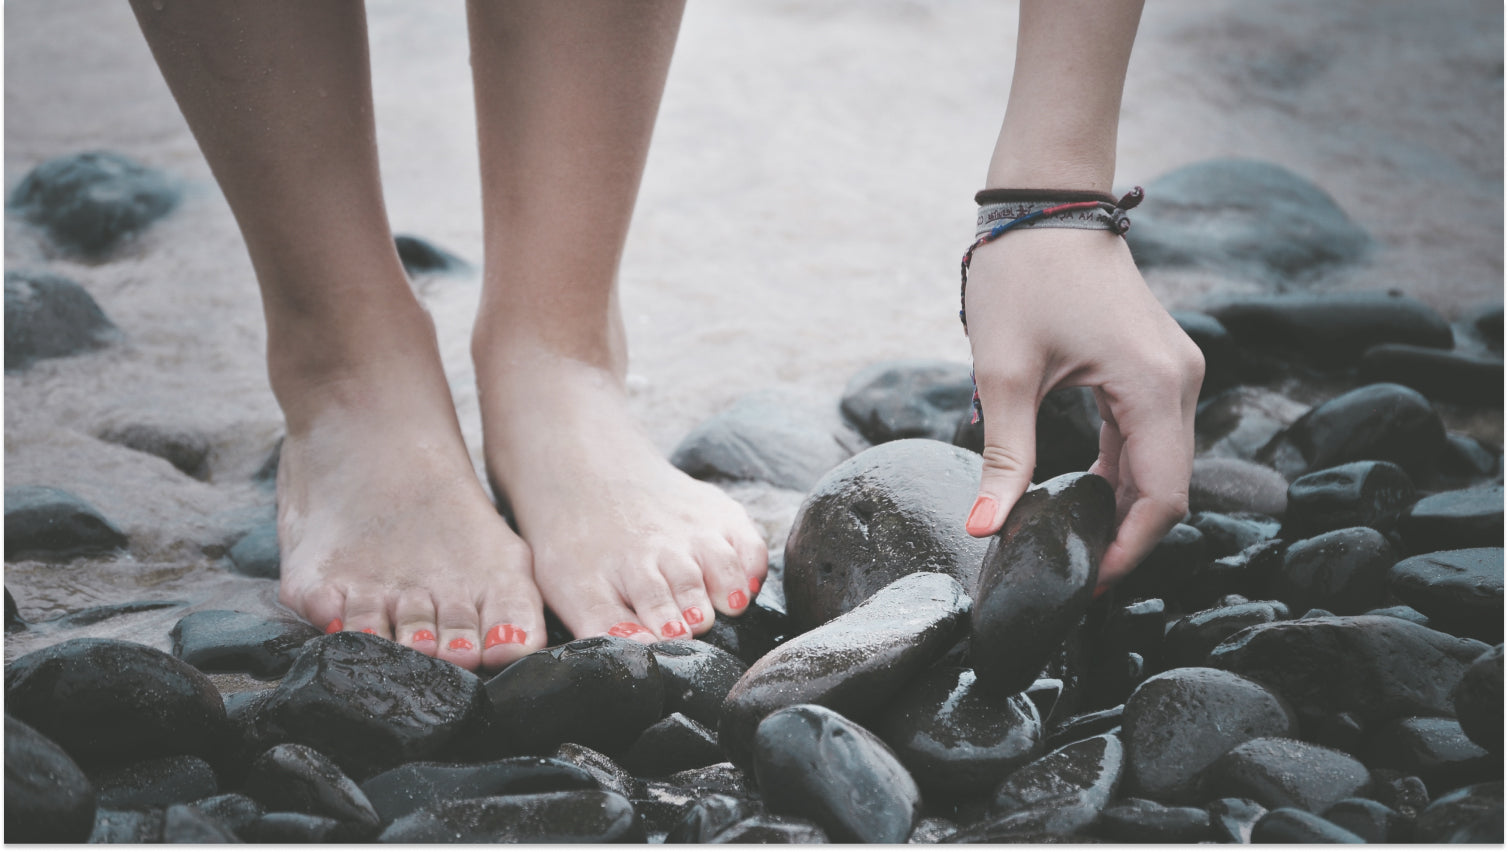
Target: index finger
x=1157 y=459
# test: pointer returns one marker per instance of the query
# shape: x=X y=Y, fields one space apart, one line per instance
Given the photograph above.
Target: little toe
x=323 y=606
x=415 y=617
x=753 y=559
x=367 y=612
x=460 y=641
x=726 y=584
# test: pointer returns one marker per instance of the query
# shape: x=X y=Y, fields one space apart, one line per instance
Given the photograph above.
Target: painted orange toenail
x=423 y=636
x=368 y=630
x=693 y=615
x=334 y=626
x=461 y=643
x=506 y=634
x=754 y=586
x=738 y=600
x=626 y=629
x=673 y=628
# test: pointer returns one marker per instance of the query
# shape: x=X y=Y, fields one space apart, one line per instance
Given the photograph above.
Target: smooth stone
x=716 y=778
x=1358 y=494
x=155 y=782
x=908 y=399
x=1044 y=694
x=1331 y=329
x=186 y=824
x=89 y=202
x=1190 y=639
x=370 y=704
x=661 y=806
x=1038 y=578
x=48 y=798
x=1344 y=571
x=812 y=762
x=1435 y=749
x=1166 y=570
x=1221 y=355
x=294 y=777
x=1059 y=820
x=749 y=636
x=779 y=437
x=1236 y=485
x=892 y=510
x=1478 y=701
x=1232 y=820
x=1471 y=517
x=557 y=695
x=232 y=811
x=1487 y=321
x=711 y=816
x=1372 y=666
x=143 y=826
x=422 y=257
x=256 y=553
x=407 y=788
x=1442 y=374
x=697 y=677
x=217 y=640
x=186 y=450
x=1407 y=613
x=1294 y=825
x=1145 y=821
x=1239 y=422
x=1368 y=819
x=1286 y=773
x=578 y=816
x=956 y=740
x=1460 y=810
x=53 y=525
x=1086 y=725
x=1074 y=783
x=772 y=828
x=853 y=664
x=96 y=614
x=1246 y=217
x=289 y=827
x=1466 y=460
x=671 y=745
x=1460 y=590
x=106 y=701
x=603 y=769
x=1180 y=722
x=1405 y=794
x=1381 y=422
x=13 y=619
x=49 y=316
x=1229 y=534
x=1247 y=574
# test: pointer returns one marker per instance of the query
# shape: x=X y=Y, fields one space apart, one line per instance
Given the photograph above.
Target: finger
x=1108 y=465
x=1158 y=458
x=1010 y=452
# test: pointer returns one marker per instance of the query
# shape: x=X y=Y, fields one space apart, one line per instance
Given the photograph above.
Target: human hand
x=1061 y=307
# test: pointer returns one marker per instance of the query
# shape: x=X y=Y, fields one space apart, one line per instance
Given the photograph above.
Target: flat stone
x=1381 y=422
x=1344 y=571
x=1440 y=374
x=1478 y=701
x=49 y=316
x=1236 y=485
x=256 y=554
x=187 y=824
x=106 y=701
x=53 y=525
x=1180 y=722
x=48 y=799
x=1061 y=792
x=422 y=257
x=1190 y=639
x=1472 y=517
x=293 y=777
x=1038 y=578
x=1370 y=820
x=852 y=664
x=908 y=399
x=88 y=203
x=557 y=695
x=697 y=677
x=1358 y=494
x=671 y=745
x=217 y=640
x=1145 y=821
x=892 y=510
x=232 y=811
x=1086 y=725
x=1460 y=590
x=412 y=786
x=579 y=816
x=1331 y=329
x=1433 y=748
x=1232 y=820
x=767 y=436
x=156 y=782
x=289 y=827
x=96 y=614
x=1286 y=773
x=1229 y=534
x=1241 y=421
x=184 y=449
x=813 y=762
x=1453 y=817
x=1246 y=574
x=1294 y=825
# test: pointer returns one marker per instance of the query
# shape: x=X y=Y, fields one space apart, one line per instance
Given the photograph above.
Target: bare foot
x=624 y=544
x=383 y=524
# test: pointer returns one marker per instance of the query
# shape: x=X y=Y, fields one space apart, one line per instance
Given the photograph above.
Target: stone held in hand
x=89 y=202
x=48 y=799
x=908 y=399
x=813 y=762
x=49 y=316
x=1038 y=578
x=53 y=525
x=892 y=510
x=1460 y=590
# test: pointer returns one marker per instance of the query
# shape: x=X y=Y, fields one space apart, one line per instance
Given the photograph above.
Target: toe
x=686 y=580
x=415 y=619
x=753 y=559
x=653 y=603
x=724 y=579
x=515 y=627
x=367 y=611
x=460 y=640
x=323 y=606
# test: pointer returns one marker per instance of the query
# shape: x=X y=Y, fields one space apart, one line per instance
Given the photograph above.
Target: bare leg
x=566 y=100
x=383 y=524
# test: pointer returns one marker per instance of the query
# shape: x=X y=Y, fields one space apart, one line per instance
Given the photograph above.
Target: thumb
x=1010 y=455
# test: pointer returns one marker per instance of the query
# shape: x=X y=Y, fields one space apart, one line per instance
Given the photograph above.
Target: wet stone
x=1372 y=666
x=370 y=704
x=49 y=316
x=156 y=782
x=1459 y=813
x=580 y=816
x=97 y=614
x=143 y=826
x=1180 y=722
x=1407 y=613
x=932 y=829
x=1344 y=571
x=1145 y=821
x=813 y=762
x=1381 y=422
x=1232 y=820
x=1331 y=329
x=1442 y=374
x=1191 y=638
x=53 y=525
x=1241 y=421
x=87 y=203
x=716 y=778
x=1286 y=773
x=852 y=664
x=711 y=816
x=186 y=824
x=1044 y=694
x=1229 y=534
x=422 y=257
x=225 y=641
x=908 y=399
x=957 y=740
x=1370 y=820
x=255 y=554
x=778 y=437
x=557 y=695
x=697 y=677
x=1358 y=494
x=1293 y=825
x=1168 y=567
x=1248 y=574
x=1086 y=725
x=772 y=828
x=186 y=450
x=1433 y=748
x=671 y=745
x=661 y=806
x=1478 y=701
x=293 y=777
x=1061 y=792
x=106 y=701
x=747 y=637
x=603 y=769
x=232 y=811
x=48 y=799
x=1038 y=578
x=407 y=788
x=892 y=510
x=1460 y=590
x=1236 y=485
x=1472 y=517
x=289 y=827
x=1466 y=459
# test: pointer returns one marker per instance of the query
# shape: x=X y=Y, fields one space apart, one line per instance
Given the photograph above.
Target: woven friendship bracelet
x=1002 y=210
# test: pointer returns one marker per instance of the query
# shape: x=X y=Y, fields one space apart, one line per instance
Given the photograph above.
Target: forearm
x=1060 y=123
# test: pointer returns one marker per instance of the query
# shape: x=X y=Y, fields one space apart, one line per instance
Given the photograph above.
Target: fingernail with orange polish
x=693 y=615
x=461 y=643
x=334 y=626
x=506 y=634
x=626 y=629
x=423 y=636
x=754 y=586
x=369 y=630
x=738 y=600
x=672 y=628
x=981 y=516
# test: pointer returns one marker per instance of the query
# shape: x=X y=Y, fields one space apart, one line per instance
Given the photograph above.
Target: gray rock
x=1247 y=574
x=1241 y=421
x=89 y=202
x=1358 y=494
x=127 y=826
x=1061 y=792
x=767 y=436
x=1460 y=590
x=1472 y=517
x=1440 y=374
x=607 y=773
x=1145 y=821
x=908 y=399
x=1286 y=773
x=770 y=828
x=182 y=448
x=1433 y=748
x=1344 y=571
x=580 y=816
x=1331 y=329
x=1370 y=820
x=1235 y=485
x=1381 y=422
x=1292 y=825
x=156 y=782
x=187 y=824
x=49 y=316
x=53 y=525
x=48 y=799
x=1478 y=701
x=1190 y=639
x=671 y=745
x=697 y=677
x=232 y=811
x=1232 y=820
x=289 y=827
x=711 y=816
x=1456 y=813
x=215 y=640
x=412 y=786
x=1229 y=534
x=717 y=778
x=890 y=511
x=294 y=777
x=255 y=554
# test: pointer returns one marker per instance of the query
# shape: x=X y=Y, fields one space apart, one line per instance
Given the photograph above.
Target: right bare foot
x=383 y=524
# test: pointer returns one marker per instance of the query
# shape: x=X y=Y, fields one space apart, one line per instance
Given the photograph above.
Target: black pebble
x=697 y=677
x=1370 y=820
x=1232 y=820
x=51 y=524
x=293 y=777
x=1433 y=748
x=49 y=316
x=289 y=827
x=187 y=824
x=1292 y=825
x=1190 y=639
x=420 y=256
x=1381 y=422
x=671 y=745
x=772 y=828
x=1469 y=814
x=1461 y=591
x=13 y=620
x=710 y=816
x=908 y=399
x=225 y=641
x=1478 y=701
x=1471 y=517
x=1145 y=821
x=48 y=799
x=1344 y=571
x=412 y=786
x=157 y=782
x=1358 y=494
x=1286 y=773
x=184 y=449
x=581 y=816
